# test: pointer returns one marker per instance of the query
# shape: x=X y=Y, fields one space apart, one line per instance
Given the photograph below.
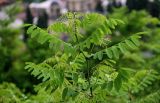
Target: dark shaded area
x=28 y=20
x=42 y=20
x=99 y=7
x=152 y=7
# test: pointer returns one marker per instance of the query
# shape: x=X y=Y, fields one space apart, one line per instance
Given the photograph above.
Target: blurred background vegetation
x=16 y=48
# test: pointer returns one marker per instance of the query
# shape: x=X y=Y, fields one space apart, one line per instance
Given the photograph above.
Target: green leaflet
x=100 y=55
x=130 y=44
x=26 y=25
x=119 y=21
x=59 y=76
x=110 y=23
x=109 y=53
x=43 y=38
x=35 y=33
x=64 y=93
x=58 y=27
x=31 y=29
x=122 y=47
x=110 y=85
x=115 y=52
x=78 y=62
x=68 y=50
x=100 y=32
x=118 y=82
x=114 y=22
x=125 y=74
x=135 y=40
x=72 y=93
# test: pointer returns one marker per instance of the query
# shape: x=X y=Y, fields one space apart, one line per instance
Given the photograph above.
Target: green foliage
x=11 y=46
x=10 y=93
x=98 y=62
x=85 y=64
x=42 y=37
x=151 y=98
x=14 y=52
x=143 y=86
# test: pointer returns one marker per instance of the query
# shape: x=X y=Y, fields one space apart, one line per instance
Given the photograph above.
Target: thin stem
x=77 y=40
x=75 y=32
